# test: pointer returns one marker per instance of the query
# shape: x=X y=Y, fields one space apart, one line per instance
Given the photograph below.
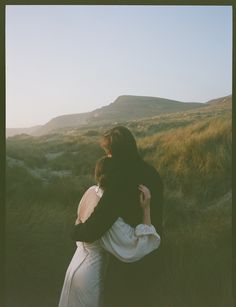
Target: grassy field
x=47 y=175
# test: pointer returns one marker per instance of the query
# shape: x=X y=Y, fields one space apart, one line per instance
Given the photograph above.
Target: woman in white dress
x=84 y=281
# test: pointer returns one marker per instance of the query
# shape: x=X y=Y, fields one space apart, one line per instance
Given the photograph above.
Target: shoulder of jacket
x=152 y=171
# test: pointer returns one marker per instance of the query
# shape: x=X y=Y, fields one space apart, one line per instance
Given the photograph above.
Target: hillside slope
x=124 y=108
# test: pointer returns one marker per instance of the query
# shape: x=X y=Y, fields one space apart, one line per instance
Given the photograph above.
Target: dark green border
x=233 y=155
x=2 y=101
x=2 y=154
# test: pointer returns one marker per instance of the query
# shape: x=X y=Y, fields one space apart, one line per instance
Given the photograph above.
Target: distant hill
x=124 y=108
x=221 y=100
x=16 y=131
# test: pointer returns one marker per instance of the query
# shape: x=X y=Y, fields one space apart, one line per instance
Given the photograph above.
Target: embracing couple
x=117 y=231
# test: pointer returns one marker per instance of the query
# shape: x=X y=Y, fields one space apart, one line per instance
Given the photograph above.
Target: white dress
x=84 y=281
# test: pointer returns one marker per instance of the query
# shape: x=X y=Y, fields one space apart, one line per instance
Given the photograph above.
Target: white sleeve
x=130 y=244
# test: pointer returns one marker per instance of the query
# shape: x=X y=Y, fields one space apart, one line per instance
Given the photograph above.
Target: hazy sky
x=73 y=59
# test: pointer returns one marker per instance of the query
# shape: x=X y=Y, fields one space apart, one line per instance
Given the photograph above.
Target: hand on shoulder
x=145 y=196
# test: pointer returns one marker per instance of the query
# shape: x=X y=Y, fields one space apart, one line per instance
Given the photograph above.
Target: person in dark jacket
x=127 y=285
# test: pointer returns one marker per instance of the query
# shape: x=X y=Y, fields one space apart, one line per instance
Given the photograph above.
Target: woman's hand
x=145 y=197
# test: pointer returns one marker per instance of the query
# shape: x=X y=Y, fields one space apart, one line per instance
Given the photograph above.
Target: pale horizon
x=63 y=60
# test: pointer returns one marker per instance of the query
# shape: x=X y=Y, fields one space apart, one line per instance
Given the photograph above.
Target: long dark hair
x=121 y=144
x=103 y=171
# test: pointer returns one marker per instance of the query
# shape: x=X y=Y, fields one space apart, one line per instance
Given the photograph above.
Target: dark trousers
x=131 y=284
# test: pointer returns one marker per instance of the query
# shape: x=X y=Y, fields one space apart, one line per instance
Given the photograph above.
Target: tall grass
x=193 y=155
x=196 y=160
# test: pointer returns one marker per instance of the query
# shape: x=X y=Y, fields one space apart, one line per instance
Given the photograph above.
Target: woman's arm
x=129 y=244
x=147 y=217
x=145 y=199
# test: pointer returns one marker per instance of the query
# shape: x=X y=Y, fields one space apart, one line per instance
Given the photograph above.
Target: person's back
x=121 y=199
x=127 y=284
